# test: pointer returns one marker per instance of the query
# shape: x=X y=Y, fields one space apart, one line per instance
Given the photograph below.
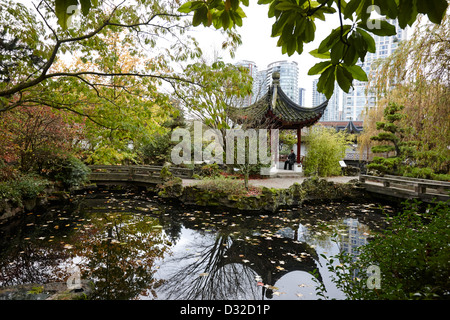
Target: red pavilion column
x=299 y=141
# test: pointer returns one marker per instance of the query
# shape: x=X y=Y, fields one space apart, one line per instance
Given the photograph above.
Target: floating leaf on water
x=204 y=274
x=245 y=261
x=299 y=295
x=68 y=246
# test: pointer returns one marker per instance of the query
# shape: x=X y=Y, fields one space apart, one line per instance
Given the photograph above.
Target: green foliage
x=326 y=148
x=165 y=174
x=220 y=86
x=221 y=184
x=391 y=133
x=24 y=186
x=157 y=150
x=412 y=255
x=36 y=290
x=210 y=170
x=384 y=165
x=295 y=25
x=287 y=138
x=70 y=171
x=424 y=173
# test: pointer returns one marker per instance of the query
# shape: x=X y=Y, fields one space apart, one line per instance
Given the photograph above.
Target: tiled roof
x=283 y=114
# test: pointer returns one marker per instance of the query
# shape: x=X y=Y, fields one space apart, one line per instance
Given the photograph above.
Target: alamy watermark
x=374 y=280
x=74 y=280
x=249 y=146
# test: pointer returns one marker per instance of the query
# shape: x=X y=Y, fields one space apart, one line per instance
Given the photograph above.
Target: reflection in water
x=138 y=248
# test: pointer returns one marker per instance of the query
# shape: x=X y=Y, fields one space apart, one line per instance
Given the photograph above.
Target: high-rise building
x=288 y=77
x=332 y=112
x=263 y=79
x=358 y=98
x=301 y=96
x=260 y=85
x=253 y=71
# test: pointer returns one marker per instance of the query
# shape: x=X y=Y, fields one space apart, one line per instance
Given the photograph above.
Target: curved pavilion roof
x=276 y=110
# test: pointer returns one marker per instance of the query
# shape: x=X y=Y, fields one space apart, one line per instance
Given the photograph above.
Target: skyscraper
x=301 y=96
x=263 y=79
x=260 y=85
x=356 y=100
x=331 y=113
x=253 y=71
x=288 y=77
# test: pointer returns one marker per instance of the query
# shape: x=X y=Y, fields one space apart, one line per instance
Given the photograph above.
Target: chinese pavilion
x=275 y=110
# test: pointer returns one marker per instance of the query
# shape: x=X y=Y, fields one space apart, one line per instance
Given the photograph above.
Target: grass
x=228 y=186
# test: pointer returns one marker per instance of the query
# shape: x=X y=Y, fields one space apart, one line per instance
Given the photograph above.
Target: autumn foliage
x=30 y=137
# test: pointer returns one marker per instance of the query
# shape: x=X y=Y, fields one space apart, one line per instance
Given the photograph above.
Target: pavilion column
x=299 y=141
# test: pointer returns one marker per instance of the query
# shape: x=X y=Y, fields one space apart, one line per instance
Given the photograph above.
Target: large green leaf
x=379 y=27
x=85 y=6
x=315 y=53
x=319 y=67
x=64 y=9
x=357 y=72
x=332 y=38
x=344 y=78
x=434 y=9
x=368 y=39
x=337 y=52
x=407 y=12
x=350 y=8
x=325 y=84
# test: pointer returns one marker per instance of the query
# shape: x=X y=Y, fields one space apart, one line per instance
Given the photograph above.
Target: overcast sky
x=259 y=47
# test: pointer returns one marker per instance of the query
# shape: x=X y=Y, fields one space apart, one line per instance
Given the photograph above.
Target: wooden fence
x=113 y=174
x=407 y=188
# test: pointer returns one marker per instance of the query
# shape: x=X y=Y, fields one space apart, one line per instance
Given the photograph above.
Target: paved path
x=280 y=183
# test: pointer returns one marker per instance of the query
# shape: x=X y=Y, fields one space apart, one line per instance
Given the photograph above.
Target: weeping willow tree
x=417 y=76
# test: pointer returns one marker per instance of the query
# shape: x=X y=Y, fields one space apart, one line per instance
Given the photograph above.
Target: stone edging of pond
x=48 y=291
x=51 y=195
x=270 y=199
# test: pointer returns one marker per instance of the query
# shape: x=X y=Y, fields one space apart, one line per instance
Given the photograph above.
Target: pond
x=135 y=246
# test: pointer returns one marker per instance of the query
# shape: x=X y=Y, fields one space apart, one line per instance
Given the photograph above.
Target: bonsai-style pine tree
x=390 y=133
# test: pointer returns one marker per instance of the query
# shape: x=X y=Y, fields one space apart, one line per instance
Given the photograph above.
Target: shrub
x=222 y=184
x=157 y=150
x=325 y=149
x=422 y=173
x=25 y=186
x=30 y=186
x=70 y=171
x=210 y=170
x=412 y=256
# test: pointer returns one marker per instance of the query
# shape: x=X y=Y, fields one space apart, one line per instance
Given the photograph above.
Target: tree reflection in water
x=136 y=247
x=230 y=262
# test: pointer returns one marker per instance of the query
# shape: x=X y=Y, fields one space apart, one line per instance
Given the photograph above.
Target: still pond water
x=133 y=246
